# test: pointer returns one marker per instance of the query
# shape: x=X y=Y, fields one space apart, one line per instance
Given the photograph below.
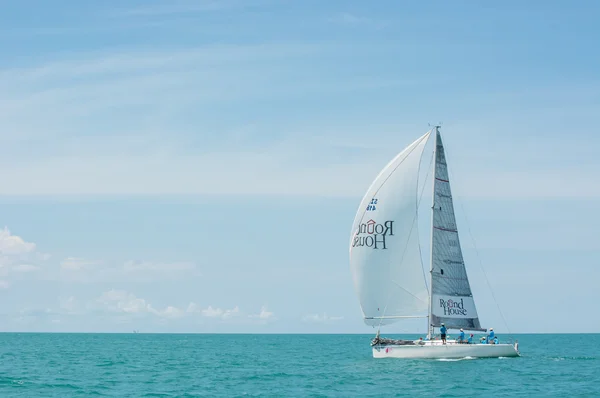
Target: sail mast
x=429 y=315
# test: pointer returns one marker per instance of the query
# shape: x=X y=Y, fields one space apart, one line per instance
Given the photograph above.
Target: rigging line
x=397 y=284
x=415 y=221
x=483 y=271
x=429 y=168
x=477 y=253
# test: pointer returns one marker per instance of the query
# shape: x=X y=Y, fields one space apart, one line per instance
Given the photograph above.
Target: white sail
x=385 y=257
x=452 y=300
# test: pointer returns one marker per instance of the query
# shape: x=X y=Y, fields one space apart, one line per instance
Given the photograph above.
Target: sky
x=195 y=166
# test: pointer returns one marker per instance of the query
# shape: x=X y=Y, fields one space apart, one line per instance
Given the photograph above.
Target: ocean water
x=205 y=365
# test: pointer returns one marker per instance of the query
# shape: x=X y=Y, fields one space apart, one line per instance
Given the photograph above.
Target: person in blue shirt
x=491 y=335
x=461 y=336
x=443 y=333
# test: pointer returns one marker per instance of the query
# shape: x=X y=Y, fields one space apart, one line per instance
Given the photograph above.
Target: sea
x=287 y=365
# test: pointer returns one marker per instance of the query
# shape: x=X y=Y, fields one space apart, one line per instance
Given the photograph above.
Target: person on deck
x=491 y=335
x=443 y=333
x=461 y=336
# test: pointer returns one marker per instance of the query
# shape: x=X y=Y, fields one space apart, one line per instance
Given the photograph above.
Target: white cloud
x=121 y=305
x=231 y=313
x=193 y=307
x=264 y=314
x=115 y=308
x=211 y=312
x=14 y=245
x=324 y=318
x=17 y=256
x=225 y=314
x=76 y=264
x=122 y=301
x=172 y=312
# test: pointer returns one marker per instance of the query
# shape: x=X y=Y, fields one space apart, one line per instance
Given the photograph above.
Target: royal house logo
x=372 y=234
x=452 y=307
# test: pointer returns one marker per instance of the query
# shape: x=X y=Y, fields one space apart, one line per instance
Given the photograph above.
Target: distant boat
x=387 y=269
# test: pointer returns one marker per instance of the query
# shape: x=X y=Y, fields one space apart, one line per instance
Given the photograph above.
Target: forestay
x=385 y=257
x=452 y=299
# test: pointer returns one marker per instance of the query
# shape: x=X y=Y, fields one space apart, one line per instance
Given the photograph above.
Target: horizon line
x=278 y=333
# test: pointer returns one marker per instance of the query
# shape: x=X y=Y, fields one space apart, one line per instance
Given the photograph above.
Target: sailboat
x=387 y=268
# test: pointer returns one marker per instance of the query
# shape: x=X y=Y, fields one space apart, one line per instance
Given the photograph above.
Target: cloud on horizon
x=120 y=304
x=18 y=257
x=321 y=318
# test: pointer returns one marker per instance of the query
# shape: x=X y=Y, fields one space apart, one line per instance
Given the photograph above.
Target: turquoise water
x=180 y=365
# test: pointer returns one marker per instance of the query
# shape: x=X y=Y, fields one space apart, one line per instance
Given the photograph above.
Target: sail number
x=372 y=204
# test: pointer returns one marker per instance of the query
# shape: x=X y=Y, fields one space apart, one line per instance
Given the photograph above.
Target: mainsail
x=451 y=297
x=385 y=257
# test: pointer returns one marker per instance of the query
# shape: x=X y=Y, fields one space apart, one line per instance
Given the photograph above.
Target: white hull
x=450 y=350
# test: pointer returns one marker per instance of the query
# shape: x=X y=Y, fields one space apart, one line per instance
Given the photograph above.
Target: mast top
x=437 y=126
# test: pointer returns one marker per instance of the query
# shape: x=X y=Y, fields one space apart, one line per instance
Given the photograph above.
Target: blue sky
x=195 y=166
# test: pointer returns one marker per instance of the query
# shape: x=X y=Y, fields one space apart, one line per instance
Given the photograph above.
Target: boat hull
x=446 y=351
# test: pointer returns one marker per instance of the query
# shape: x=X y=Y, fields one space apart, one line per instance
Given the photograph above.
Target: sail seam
x=445 y=229
x=451 y=278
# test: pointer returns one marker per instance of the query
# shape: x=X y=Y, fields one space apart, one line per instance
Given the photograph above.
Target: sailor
x=461 y=336
x=443 y=333
x=491 y=335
